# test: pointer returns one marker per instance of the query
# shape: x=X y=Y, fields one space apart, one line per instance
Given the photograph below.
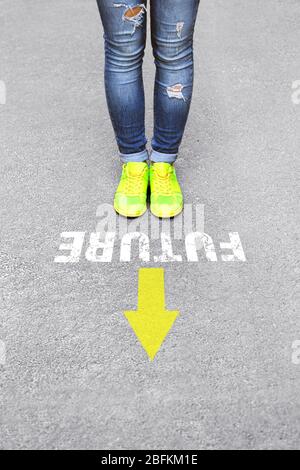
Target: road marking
x=101 y=248
x=151 y=322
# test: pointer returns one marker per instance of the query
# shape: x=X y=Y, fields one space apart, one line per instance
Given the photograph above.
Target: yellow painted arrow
x=151 y=322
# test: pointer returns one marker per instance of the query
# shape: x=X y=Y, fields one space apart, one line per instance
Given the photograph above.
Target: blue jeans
x=172 y=30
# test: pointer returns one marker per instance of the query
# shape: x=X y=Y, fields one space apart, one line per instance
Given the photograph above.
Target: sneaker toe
x=167 y=206
x=129 y=206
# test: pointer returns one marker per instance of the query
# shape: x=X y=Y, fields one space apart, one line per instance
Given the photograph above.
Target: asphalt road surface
x=73 y=374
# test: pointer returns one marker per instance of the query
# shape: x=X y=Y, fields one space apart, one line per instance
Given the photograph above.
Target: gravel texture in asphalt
x=73 y=373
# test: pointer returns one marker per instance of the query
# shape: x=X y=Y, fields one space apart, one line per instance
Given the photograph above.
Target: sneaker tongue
x=162 y=169
x=135 y=168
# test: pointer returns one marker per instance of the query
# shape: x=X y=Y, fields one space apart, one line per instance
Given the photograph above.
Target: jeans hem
x=158 y=157
x=134 y=157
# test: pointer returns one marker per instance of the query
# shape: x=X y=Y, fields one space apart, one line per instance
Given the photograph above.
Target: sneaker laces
x=133 y=183
x=162 y=183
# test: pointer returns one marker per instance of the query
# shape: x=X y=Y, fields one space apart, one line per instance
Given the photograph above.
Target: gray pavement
x=73 y=375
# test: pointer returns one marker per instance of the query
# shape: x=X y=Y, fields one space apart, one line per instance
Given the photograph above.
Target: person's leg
x=172 y=26
x=124 y=26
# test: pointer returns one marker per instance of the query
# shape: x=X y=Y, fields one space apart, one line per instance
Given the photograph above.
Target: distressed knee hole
x=176 y=91
x=179 y=28
x=133 y=14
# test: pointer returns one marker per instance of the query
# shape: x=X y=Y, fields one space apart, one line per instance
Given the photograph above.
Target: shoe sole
x=130 y=215
x=169 y=216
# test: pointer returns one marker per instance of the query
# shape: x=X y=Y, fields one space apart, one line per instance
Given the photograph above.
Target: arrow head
x=151 y=330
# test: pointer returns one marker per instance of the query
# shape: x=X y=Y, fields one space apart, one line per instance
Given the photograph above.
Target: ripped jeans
x=172 y=29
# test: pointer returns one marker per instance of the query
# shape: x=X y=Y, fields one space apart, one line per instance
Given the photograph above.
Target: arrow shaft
x=151 y=289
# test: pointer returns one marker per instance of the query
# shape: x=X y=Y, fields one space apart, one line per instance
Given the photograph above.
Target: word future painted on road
x=100 y=249
x=118 y=239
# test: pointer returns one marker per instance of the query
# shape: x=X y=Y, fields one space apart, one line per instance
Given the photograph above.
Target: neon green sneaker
x=131 y=195
x=166 y=196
